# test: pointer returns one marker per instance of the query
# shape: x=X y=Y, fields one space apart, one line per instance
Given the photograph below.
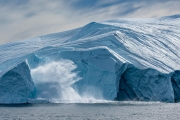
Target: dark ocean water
x=92 y=111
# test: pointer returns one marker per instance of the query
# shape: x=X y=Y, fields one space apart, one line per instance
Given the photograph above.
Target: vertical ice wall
x=145 y=85
x=99 y=69
x=16 y=85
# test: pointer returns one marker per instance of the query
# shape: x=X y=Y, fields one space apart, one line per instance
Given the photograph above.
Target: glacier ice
x=121 y=59
x=175 y=79
x=98 y=67
x=145 y=85
x=16 y=85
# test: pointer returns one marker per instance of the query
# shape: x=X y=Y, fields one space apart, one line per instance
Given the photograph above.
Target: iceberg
x=121 y=59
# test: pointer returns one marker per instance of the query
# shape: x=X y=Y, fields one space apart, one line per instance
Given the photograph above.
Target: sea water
x=92 y=111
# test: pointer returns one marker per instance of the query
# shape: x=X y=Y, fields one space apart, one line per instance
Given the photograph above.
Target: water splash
x=54 y=83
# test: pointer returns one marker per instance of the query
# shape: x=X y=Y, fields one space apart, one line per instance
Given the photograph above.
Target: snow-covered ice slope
x=122 y=59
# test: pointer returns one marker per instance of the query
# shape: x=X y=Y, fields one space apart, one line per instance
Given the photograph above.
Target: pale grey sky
x=23 y=19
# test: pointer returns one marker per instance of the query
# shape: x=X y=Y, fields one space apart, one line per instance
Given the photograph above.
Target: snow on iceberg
x=122 y=59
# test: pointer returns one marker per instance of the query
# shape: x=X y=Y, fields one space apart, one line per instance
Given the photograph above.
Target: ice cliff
x=122 y=59
x=16 y=85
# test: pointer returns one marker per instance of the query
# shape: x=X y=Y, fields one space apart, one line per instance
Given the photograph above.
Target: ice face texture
x=145 y=85
x=16 y=85
x=122 y=59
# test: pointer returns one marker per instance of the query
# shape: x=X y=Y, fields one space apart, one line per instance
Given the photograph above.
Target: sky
x=24 y=19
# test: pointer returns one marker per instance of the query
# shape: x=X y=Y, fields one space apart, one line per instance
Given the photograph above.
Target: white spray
x=54 y=82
